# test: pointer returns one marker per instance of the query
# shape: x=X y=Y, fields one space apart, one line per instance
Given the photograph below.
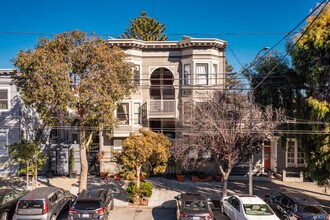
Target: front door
x=267 y=157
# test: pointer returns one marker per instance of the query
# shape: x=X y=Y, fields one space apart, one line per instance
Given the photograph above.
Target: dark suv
x=194 y=206
x=45 y=203
x=295 y=206
x=92 y=204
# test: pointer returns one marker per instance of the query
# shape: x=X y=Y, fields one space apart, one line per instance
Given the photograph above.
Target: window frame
x=137 y=115
x=198 y=75
x=297 y=155
x=187 y=74
x=8 y=97
x=127 y=115
x=137 y=69
x=213 y=79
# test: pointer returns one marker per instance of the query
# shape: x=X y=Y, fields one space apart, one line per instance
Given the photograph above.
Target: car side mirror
x=225 y=200
x=177 y=197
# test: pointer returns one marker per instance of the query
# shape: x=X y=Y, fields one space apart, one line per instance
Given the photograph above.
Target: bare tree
x=223 y=128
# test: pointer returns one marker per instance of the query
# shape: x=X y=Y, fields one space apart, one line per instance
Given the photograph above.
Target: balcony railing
x=159 y=107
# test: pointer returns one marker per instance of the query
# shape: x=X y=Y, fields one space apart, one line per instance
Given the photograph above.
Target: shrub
x=137 y=195
x=202 y=175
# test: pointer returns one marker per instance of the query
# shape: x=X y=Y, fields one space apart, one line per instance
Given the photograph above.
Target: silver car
x=45 y=203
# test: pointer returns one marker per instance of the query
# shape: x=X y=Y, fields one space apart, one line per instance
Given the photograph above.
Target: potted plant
x=73 y=173
x=180 y=177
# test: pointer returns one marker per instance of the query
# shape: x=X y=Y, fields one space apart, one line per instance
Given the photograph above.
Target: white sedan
x=246 y=207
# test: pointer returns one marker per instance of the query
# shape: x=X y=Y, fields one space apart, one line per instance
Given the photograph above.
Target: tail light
x=45 y=207
x=210 y=215
x=183 y=215
x=296 y=216
x=100 y=211
x=72 y=211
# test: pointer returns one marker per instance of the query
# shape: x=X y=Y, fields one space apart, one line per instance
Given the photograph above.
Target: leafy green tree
x=30 y=156
x=282 y=89
x=318 y=146
x=145 y=28
x=144 y=148
x=311 y=60
x=73 y=71
x=311 y=55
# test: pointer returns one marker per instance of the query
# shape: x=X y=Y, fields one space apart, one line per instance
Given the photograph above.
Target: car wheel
x=222 y=209
x=4 y=216
x=285 y=217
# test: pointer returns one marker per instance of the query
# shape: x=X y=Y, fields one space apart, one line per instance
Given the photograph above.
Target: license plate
x=196 y=218
x=85 y=215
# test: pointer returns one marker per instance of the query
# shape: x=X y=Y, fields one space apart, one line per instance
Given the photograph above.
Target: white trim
x=8 y=98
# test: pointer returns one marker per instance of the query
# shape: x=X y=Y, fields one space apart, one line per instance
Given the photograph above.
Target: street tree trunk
x=83 y=160
x=138 y=173
x=27 y=176
x=101 y=147
x=225 y=184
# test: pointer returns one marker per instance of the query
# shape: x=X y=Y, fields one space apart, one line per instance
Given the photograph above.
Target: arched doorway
x=162 y=87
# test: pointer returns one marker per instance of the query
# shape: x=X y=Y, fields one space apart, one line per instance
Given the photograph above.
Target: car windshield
x=257 y=209
x=30 y=204
x=87 y=205
x=309 y=209
x=195 y=205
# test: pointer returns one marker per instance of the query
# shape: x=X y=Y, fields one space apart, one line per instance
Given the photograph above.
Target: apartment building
x=171 y=75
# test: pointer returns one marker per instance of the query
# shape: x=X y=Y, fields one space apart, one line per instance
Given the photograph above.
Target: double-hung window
x=136 y=73
x=123 y=113
x=137 y=113
x=3 y=99
x=201 y=73
x=187 y=74
x=214 y=75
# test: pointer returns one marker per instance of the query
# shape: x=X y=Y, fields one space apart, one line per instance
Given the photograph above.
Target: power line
x=305 y=31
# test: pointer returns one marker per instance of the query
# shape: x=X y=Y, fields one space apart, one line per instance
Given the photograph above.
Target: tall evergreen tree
x=145 y=28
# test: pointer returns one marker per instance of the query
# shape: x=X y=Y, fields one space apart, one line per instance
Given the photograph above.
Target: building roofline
x=184 y=43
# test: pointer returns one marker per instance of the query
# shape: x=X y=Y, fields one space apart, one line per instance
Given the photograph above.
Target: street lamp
x=250 y=120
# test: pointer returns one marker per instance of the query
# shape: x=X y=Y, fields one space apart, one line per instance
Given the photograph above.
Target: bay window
x=187 y=74
x=123 y=113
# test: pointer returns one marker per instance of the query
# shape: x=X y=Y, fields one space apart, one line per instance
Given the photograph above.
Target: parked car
x=8 y=200
x=45 y=203
x=295 y=206
x=92 y=204
x=194 y=206
x=246 y=207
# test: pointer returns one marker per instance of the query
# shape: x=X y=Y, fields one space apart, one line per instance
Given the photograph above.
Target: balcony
x=159 y=109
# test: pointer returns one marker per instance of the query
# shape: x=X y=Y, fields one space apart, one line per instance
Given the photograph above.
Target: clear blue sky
x=208 y=18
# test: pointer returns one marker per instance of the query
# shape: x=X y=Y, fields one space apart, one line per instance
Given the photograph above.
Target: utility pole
x=250 y=116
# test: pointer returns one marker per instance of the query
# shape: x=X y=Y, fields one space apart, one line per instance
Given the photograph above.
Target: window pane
x=137 y=74
x=137 y=113
x=201 y=73
x=213 y=77
x=123 y=113
x=3 y=94
x=187 y=74
x=3 y=104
